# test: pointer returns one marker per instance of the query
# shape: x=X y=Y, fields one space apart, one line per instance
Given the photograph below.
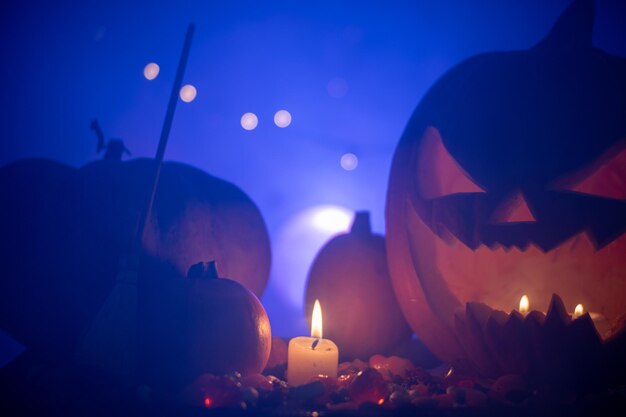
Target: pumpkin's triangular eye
x=438 y=174
x=604 y=178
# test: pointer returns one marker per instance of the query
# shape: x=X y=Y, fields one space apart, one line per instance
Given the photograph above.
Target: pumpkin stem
x=115 y=148
x=111 y=342
x=574 y=27
x=361 y=223
x=206 y=270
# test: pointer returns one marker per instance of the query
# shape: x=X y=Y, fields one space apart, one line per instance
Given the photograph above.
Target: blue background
x=63 y=63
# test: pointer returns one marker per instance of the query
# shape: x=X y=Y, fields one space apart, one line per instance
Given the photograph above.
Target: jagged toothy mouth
x=582 y=238
x=520 y=237
x=498 y=274
x=600 y=222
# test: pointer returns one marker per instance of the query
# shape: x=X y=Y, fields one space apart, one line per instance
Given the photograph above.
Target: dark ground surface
x=43 y=388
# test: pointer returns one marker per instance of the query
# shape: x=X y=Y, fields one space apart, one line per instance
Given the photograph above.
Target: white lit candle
x=311 y=356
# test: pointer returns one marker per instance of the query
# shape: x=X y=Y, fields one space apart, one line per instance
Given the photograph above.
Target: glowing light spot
x=579 y=310
x=332 y=220
x=188 y=93
x=298 y=241
x=449 y=373
x=337 y=87
x=349 y=161
x=315 y=414
x=207 y=402
x=524 y=304
x=381 y=401
x=282 y=118
x=249 y=121
x=151 y=71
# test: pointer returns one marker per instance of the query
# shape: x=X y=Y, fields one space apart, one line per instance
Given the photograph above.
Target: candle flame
x=579 y=310
x=316 y=320
x=524 y=304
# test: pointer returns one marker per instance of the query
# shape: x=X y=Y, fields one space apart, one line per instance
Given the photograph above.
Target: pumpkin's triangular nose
x=514 y=209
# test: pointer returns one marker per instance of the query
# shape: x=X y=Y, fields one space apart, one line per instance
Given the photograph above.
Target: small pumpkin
x=349 y=276
x=227 y=327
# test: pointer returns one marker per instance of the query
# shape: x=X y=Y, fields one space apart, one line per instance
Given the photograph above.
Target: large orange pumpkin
x=509 y=179
x=195 y=217
x=350 y=278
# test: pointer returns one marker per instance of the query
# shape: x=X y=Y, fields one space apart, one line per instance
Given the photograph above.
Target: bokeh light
x=249 y=121
x=337 y=87
x=188 y=93
x=282 y=118
x=349 y=161
x=151 y=71
x=297 y=243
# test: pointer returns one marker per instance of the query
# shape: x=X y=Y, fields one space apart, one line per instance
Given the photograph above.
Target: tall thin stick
x=111 y=341
x=165 y=133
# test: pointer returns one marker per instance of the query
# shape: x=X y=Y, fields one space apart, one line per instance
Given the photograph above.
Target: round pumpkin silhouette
x=350 y=278
x=228 y=327
x=510 y=179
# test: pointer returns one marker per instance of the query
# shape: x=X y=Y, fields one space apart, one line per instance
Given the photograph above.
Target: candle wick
x=315 y=342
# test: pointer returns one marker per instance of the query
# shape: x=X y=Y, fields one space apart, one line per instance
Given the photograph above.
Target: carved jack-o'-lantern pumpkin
x=510 y=179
